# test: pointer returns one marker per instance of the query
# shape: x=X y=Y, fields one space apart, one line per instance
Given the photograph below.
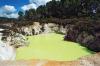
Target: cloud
x=39 y=2
x=29 y=6
x=8 y=11
x=12 y=15
x=34 y=4
x=9 y=8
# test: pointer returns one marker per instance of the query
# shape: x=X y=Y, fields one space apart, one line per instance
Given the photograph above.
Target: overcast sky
x=10 y=8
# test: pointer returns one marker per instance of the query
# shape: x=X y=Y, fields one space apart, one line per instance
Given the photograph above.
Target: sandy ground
x=93 y=60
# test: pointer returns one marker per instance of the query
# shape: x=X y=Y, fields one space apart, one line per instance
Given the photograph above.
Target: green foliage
x=41 y=11
x=64 y=9
x=53 y=9
x=30 y=14
x=21 y=14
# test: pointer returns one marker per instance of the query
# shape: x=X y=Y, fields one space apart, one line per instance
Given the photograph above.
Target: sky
x=10 y=8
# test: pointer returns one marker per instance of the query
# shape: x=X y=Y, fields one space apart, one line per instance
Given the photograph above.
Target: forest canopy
x=63 y=9
x=58 y=10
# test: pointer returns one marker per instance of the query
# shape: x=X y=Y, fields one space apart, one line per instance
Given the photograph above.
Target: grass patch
x=51 y=47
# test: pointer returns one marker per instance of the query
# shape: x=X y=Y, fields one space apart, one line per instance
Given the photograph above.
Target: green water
x=51 y=47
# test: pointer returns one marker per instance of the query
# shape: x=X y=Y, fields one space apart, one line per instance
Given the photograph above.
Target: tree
x=30 y=14
x=53 y=8
x=41 y=11
x=21 y=15
x=64 y=9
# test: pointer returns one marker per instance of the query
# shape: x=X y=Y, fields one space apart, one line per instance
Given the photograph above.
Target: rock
x=46 y=29
x=62 y=30
x=86 y=34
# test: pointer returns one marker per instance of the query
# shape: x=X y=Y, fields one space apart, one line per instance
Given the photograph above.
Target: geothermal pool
x=51 y=47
